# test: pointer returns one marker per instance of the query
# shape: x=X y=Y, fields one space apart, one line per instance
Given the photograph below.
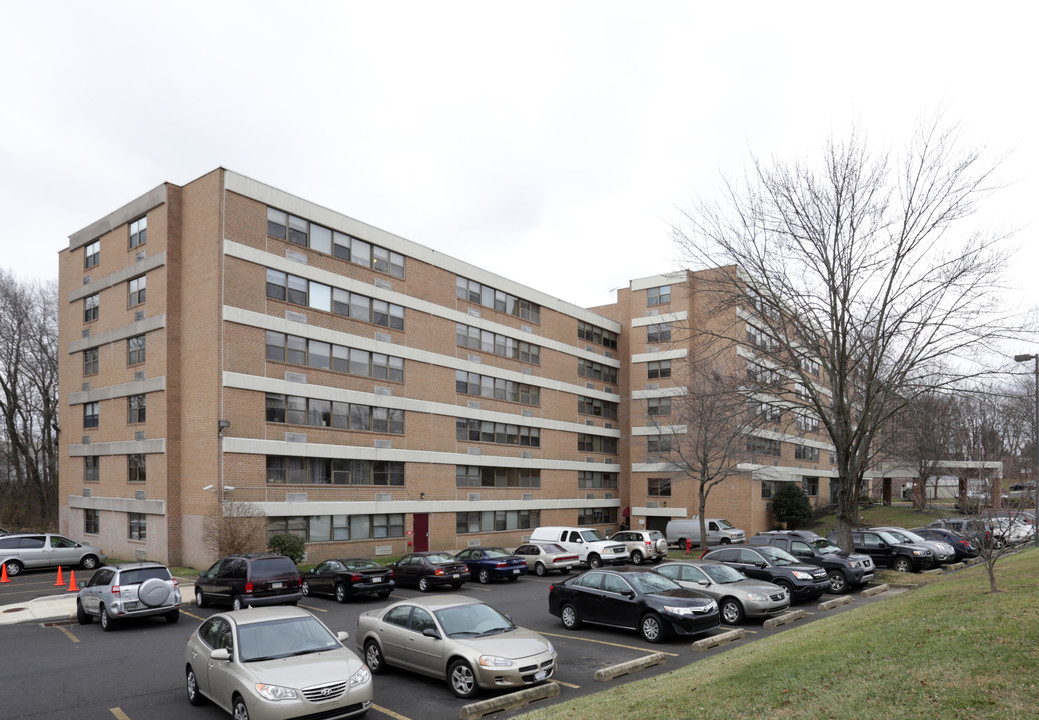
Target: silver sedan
x=738 y=596
x=461 y=640
x=275 y=663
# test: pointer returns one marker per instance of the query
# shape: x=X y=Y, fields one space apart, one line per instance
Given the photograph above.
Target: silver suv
x=643 y=545
x=118 y=592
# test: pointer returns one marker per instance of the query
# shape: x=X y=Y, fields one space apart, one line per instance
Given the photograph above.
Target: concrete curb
x=626 y=668
x=716 y=640
x=510 y=701
x=876 y=590
x=835 y=603
x=784 y=619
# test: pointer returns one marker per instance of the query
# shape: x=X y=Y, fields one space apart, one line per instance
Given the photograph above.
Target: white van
x=591 y=546
x=719 y=532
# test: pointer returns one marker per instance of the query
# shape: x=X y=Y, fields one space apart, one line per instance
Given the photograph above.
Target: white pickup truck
x=591 y=546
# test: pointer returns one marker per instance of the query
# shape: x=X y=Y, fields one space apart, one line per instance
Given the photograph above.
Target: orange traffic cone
x=60 y=581
x=72 y=582
x=3 y=574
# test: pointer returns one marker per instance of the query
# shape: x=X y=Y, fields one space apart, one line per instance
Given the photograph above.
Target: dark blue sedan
x=492 y=563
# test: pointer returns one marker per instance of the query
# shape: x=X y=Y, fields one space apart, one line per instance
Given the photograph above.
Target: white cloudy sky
x=550 y=142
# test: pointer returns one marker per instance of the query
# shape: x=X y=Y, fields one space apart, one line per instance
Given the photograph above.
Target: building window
x=658 y=487
x=323 y=471
x=138 y=526
x=808 y=422
x=594 y=480
x=91 y=305
x=597 y=516
x=658 y=295
x=596 y=335
x=90 y=357
x=91 y=468
x=474 y=338
x=810 y=366
x=92 y=255
x=658 y=406
x=295 y=350
x=467 y=430
x=300 y=291
x=90 y=415
x=137 y=406
x=767 y=488
x=596 y=443
x=135 y=347
x=658 y=443
x=596 y=371
x=137 y=288
x=759 y=338
x=496 y=521
x=136 y=468
x=306 y=234
x=91 y=521
x=658 y=369
x=478 y=294
x=340 y=415
x=497 y=388
x=499 y=477
x=801 y=390
x=138 y=232
x=763 y=446
x=768 y=412
x=659 y=332
x=805 y=452
x=596 y=407
x=810 y=485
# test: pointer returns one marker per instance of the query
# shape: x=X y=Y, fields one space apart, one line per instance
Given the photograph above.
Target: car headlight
x=690 y=610
x=754 y=597
x=275 y=692
x=921 y=552
x=494 y=661
x=360 y=677
x=802 y=575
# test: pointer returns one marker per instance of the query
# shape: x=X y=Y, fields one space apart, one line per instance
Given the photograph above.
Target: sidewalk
x=55 y=608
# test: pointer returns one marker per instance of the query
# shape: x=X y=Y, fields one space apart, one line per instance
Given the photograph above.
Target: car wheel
x=462 y=680
x=373 y=657
x=838 y=583
x=484 y=576
x=107 y=623
x=200 y=599
x=636 y=558
x=731 y=611
x=238 y=709
x=787 y=587
x=725 y=541
x=173 y=616
x=423 y=584
x=902 y=564
x=305 y=589
x=652 y=628
x=89 y=562
x=14 y=568
x=594 y=561
x=570 y=617
x=81 y=615
x=341 y=594
x=236 y=603
x=194 y=696
x=539 y=569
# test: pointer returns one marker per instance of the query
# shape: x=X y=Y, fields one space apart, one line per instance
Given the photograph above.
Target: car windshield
x=725 y=525
x=283 y=638
x=649 y=582
x=899 y=535
x=472 y=620
x=361 y=564
x=777 y=556
x=824 y=546
x=441 y=559
x=592 y=536
x=911 y=536
x=496 y=552
x=722 y=574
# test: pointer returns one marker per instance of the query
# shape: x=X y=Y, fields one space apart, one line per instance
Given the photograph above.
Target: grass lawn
x=948 y=650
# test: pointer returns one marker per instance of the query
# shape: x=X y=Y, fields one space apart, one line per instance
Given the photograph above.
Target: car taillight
x=355 y=578
x=501 y=564
x=176 y=583
x=115 y=590
x=649 y=544
x=551 y=587
x=249 y=587
x=439 y=571
x=391 y=574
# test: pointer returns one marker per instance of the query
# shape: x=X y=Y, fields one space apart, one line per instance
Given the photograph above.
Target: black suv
x=763 y=562
x=845 y=570
x=249 y=580
x=888 y=551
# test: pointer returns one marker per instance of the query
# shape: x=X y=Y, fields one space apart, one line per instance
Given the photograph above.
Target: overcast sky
x=550 y=142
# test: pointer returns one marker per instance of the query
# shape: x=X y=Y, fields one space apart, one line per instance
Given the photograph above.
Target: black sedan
x=774 y=565
x=343 y=578
x=493 y=563
x=425 y=570
x=963 y=547
x=640 y=600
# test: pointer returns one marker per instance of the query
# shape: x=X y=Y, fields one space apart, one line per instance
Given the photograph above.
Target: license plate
x=516 y=571
x=455 y=576
x=132 y=605
x=277 y=585
x=541 y=674
x=376 y=579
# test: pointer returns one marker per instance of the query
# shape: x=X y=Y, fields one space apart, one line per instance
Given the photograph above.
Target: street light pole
x=1035 y=444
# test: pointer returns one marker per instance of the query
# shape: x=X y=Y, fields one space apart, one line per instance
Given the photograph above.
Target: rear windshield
x=441 y=559
x=270 y=567
x=362 y=564
x=656 y=535
x=136 y=577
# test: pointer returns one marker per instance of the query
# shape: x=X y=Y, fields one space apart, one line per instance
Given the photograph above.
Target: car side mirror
x=761 y=564
x=628 y=594
x=342 y=636
x=220 y=654
x=431 y=633
x=705 y=583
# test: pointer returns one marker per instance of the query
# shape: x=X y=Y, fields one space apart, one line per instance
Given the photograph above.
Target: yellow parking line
x=67 y=632
x=603 y=642
x=566 y=684
x=120 y=715
x=389 y=712
x=315 y=607
x=191 y=615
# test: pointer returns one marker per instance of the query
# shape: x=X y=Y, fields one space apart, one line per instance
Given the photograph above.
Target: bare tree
x=28 y=401
x=860 y=267
x=234 y=527
x=925 y=434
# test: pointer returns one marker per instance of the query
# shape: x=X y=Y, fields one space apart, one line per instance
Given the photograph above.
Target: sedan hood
x=306 y=670
x=515 y=644
x=755 y=586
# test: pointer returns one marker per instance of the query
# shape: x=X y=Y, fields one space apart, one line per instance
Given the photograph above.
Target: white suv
x=591 y=546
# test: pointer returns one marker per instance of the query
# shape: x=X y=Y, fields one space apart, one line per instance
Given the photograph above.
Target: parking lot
x=62 y=669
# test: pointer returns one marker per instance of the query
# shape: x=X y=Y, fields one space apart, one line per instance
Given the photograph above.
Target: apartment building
x=224 y=342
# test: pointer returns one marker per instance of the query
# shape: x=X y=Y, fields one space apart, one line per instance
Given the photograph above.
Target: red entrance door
x=421 y=532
